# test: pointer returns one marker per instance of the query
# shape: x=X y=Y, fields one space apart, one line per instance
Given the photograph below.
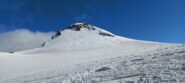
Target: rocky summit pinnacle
x=79 y=27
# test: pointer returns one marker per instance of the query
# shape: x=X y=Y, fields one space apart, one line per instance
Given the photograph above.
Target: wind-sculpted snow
x=85 y=56
x=164 y=65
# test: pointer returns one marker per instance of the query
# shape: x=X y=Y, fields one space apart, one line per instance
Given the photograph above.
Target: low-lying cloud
x=22 y=39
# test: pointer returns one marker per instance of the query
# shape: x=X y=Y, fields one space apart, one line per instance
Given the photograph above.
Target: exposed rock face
x=79 y=26
x=56 y=35
x=106 y=34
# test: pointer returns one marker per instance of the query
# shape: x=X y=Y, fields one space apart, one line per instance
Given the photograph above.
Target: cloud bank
x=22 y=39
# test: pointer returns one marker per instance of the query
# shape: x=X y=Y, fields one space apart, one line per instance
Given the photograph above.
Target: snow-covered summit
x=81 y=36
x=81 y=27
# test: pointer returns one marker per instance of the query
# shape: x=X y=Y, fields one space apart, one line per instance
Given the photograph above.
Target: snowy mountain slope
x=85 y=38
x=86 y=53
x=163 y=65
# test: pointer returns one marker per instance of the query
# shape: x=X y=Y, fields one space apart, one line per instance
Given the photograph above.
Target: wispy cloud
x=2 y=27
x=22 y=39
x=82 y=17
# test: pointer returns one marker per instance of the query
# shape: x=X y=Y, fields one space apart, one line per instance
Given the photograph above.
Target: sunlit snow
x=83 y=55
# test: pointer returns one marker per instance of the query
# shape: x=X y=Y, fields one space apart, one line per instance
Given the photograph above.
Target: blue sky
x=153 y=20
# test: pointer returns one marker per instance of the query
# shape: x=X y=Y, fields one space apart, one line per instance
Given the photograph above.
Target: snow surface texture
x=83 y=53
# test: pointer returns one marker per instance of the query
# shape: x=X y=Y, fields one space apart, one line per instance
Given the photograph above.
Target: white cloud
x=22 y=39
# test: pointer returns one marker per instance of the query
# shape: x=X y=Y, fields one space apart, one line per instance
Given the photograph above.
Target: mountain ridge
x=81 y=36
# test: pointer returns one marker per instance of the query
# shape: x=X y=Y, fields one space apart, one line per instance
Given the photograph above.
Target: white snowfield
x=83 y=53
